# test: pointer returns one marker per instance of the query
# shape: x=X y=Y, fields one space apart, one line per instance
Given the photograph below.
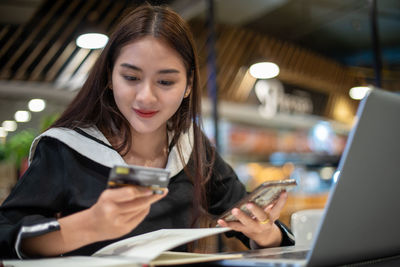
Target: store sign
x=273 y=99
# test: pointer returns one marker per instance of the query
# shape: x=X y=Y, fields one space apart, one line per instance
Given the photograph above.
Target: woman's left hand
x=260 y=227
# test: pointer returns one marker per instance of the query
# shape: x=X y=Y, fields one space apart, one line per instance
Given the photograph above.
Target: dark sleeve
x=225 y=189
x=31 y=208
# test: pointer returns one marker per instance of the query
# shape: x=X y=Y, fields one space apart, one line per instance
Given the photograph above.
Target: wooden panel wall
x=237 y=48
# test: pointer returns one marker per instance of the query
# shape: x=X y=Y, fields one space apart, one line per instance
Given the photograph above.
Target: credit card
x=154 y=178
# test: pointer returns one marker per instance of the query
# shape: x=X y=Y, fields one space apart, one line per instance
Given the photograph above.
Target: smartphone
x=264 y=195
x=154 y=178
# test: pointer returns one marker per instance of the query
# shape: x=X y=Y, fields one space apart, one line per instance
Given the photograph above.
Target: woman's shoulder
x=89 y=142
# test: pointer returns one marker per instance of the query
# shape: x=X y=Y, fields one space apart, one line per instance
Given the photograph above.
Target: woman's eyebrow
x=133 y=67
x=130 y=66
x=166 y=71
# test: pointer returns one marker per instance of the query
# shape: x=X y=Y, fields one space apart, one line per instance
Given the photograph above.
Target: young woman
x=140 y=105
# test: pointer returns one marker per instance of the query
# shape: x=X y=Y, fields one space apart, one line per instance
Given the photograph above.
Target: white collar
x=107 y=156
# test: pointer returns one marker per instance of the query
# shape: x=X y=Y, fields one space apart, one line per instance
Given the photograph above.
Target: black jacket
x=61 y=181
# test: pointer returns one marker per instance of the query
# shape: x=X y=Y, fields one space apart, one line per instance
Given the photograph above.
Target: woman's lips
x=145 y=113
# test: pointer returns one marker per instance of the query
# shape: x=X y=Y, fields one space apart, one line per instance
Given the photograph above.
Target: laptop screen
x=361 y=220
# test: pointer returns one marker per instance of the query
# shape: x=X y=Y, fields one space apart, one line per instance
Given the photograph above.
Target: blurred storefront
x=294 y=125
x=279 y=133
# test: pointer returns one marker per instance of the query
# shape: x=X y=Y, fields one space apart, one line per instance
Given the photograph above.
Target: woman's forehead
x=150 y=49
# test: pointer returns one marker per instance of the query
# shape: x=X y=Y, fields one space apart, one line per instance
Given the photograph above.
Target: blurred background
x=289 y=119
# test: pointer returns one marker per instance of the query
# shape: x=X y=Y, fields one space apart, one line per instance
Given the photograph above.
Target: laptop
x=361 y=220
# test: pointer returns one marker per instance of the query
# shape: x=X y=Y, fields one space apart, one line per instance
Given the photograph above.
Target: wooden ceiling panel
x=43 y=49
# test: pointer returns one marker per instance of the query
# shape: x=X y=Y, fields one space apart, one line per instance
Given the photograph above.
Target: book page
x=146 y=247
x=78 y=261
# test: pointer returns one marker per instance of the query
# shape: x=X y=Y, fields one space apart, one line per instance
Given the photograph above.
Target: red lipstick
x=145 y=113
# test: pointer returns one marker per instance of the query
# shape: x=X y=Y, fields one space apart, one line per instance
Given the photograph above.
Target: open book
x=151 y=248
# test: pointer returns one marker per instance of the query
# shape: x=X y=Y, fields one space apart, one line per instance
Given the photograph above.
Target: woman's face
x=149 y=83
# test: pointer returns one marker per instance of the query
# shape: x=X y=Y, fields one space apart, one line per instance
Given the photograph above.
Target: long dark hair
x=95 y=105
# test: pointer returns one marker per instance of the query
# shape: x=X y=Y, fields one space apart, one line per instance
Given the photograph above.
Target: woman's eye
x=130 y=78
x=166 y=83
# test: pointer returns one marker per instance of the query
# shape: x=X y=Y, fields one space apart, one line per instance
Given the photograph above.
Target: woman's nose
x=146 y=94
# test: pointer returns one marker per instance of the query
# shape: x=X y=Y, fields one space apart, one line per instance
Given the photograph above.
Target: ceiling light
x=326 y=173
x=36 y=105
x=9 y=126
x=92 y=40
x=264 y=70
x=22 y=116
x=359 y=92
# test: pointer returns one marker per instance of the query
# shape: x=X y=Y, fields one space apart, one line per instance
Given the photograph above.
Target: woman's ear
x=187 y=90
x=189 y=87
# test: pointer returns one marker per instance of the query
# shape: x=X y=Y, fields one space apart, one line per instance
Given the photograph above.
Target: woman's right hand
x=119 y=210
x=116 y=212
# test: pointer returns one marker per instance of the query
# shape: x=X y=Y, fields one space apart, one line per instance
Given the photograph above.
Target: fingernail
x=249 y=206
x=235 y=211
